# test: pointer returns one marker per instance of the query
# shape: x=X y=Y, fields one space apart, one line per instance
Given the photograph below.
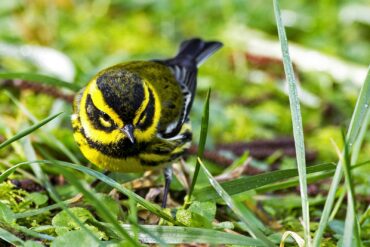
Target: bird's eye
x=106 y=117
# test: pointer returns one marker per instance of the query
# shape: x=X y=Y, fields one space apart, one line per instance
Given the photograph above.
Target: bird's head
x=118 y=104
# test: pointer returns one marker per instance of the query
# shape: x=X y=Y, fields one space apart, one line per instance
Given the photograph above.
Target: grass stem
x=297 y=123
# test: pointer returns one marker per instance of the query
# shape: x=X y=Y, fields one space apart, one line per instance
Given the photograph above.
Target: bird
x=134 y=116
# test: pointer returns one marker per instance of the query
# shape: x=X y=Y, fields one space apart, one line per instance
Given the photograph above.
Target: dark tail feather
x=197 y=50
x=192 y=54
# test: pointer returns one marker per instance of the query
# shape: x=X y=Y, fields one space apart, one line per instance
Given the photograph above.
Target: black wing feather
x=184 y=65
x=191 y=55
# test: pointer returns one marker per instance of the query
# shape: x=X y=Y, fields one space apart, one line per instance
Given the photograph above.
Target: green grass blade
x=21 y=106
x=338 y=204
x=152 y=234
x=99 y=206
x=151 y=207
x=38 y=211
x=46 y=136
x=201 y=146
x=252 y=229
x=55 y=196
x=28 y=130
x=263 y=189
x=10 y=238
x=351 y=217
x=183 y=235
x=365 y=215
x=53 y=142
x=155 y=209
x=251 y=217
x=297 y=123
x=360 y=113
x=359 y=117
x=38 y=78
x=254 y=182
x=31 y=155
x=311 y=178
x=360 y=137
x=33 y=233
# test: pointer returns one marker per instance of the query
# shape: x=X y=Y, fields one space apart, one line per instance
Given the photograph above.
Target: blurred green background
x=248 y=100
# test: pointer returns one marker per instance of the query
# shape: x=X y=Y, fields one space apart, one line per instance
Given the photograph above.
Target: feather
x=184 y=66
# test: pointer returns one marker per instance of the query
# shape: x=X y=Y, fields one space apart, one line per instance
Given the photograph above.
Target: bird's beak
x=128 y=130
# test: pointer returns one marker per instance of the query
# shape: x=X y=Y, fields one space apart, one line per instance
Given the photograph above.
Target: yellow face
x=114 y=109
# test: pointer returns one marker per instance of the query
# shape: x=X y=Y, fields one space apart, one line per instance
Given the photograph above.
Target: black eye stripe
x=94 y=113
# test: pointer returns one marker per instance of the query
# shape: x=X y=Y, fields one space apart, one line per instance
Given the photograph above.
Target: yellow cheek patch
x=99 y=102
x=90 y=131
x=149 y=133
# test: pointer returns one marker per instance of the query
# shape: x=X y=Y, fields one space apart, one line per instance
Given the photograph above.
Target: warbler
x=134 y=116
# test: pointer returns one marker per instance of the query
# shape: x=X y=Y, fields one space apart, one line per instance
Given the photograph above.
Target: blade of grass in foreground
x=10 y=238
x=100 y=207
x=351 y=222
x=28 y=130
x=360 y=137
x=155 y=209
x=32 y=233
x=31 y=155
x=38 y=78
x=297 y=123
x=254 y=182
x=201 y=146
x=38 y=211
x=252 y=230
x=46 y=136
x=182 y=235
x=152 y=234
x=358 y=119
x=206 y=191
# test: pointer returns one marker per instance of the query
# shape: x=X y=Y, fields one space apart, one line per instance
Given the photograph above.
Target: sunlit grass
x=230 y=113
x=358 y=123
x=297 y=124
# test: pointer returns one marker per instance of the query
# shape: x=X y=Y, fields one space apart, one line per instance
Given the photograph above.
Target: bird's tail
x=196 y=50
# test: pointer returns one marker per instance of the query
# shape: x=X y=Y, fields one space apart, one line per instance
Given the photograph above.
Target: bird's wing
x=184 y=66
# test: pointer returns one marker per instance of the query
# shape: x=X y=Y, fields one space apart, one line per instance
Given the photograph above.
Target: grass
x=351 y=227
x=202 y=144
x=236 y=208
x=28 y=130
x=358 y=121
x=233 y=212
x=297 y=124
